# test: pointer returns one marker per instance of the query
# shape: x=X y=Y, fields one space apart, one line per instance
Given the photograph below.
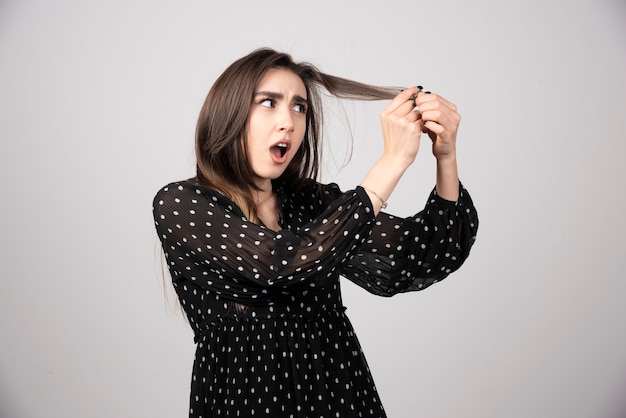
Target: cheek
x=300 y=135
x=301 y=130
x=298 y=150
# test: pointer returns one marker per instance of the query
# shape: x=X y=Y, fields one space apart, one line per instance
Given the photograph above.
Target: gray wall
x=98 y=102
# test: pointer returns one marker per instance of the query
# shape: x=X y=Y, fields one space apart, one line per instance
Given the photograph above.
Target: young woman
x=256 y=246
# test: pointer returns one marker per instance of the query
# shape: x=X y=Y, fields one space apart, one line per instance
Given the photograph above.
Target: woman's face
x=276 y=124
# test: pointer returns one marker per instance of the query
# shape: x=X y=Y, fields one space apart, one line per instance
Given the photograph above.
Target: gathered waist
x=241 y=316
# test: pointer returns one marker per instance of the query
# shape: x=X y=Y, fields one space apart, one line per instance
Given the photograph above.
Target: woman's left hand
x=441 y=123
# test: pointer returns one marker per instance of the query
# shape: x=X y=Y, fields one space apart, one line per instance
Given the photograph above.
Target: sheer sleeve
x=406 y=254
x=207 y=240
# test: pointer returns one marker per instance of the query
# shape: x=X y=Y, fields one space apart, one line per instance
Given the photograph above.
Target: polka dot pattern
x=272 y=336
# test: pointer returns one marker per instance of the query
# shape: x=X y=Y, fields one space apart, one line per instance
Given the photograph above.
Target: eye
x=267 y=102
x=300 y=108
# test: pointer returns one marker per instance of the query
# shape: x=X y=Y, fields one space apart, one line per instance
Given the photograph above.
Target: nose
x=285 y=120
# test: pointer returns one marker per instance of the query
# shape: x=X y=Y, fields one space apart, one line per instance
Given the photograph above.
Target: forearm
x=382 y=179
x=448 y=179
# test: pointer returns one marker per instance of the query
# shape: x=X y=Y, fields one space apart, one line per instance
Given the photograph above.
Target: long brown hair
x=221 y=160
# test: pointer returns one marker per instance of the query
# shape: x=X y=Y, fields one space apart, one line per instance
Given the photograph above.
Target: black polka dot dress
x=272 y=336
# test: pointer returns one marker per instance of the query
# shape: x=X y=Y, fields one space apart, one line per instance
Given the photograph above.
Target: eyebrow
x=272 y=95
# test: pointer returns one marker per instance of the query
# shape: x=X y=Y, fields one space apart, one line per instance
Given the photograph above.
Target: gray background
x=98 y=102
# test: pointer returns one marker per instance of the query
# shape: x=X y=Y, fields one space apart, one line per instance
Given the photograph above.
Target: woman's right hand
x=402 y=128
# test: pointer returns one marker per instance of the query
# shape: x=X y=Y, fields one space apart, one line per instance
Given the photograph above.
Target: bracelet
x=376 y=194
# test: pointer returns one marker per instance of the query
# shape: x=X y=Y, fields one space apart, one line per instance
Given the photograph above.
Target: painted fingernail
x=427 y=92
x=420 y=88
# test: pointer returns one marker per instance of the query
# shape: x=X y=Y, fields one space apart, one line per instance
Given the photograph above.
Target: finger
x=433 y=127
x=440 y=111
x=435 y=105
x=440 y=117
x=413 y=116
x=405 y=109
x=401 y=99
x=431 y=99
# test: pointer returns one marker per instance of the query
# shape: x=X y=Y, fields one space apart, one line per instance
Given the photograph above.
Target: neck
x=266 y=208
x=264 y=193
x=261 y=197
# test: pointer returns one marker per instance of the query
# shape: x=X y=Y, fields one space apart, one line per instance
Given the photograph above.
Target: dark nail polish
x=420 y=88
x=427 y=92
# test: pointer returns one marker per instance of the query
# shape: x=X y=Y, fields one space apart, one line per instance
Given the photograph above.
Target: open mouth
x=279 y=150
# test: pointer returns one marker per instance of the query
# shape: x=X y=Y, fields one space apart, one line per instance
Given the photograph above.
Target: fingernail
x=420 y=88
x=427 y=92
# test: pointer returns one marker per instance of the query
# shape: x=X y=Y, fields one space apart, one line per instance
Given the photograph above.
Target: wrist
x=448 y=160
x=395 y=164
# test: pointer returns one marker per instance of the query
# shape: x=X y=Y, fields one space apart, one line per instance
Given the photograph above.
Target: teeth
x=282 y=145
